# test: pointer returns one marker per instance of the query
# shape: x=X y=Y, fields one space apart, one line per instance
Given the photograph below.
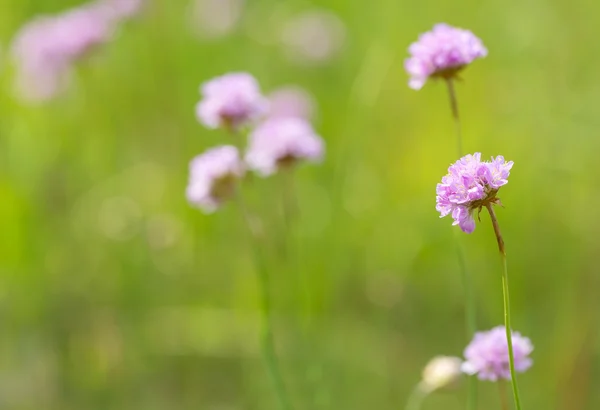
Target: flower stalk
x=470 y=308
x=506 y=296
x=267 y=338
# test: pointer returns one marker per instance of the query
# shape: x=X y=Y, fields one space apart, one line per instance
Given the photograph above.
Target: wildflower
x=231 y=101
x=469 y=185
x=442 y=52
x=213 y=177
x=313 y=37
x=118 y=10
x=487 y=354
x=292 y=102
x=213 y=19
x=282 y=142
x=441 y=372
x=46 y=47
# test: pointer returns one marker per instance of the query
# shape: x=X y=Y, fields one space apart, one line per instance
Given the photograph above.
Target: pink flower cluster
x=470 y=184
x=213 y=177
x=231 y=101
x=442 y=52
x=279 y=137
x=45 y=49
x=487 y=354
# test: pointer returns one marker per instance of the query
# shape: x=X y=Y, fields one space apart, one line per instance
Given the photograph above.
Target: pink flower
x=291 y=102
x=313 y=37
x=469 y=185
x=231 y=101
x=282 y=142
x=45 y=49
x=442 y=52
x=487 y=354
x=213 y=177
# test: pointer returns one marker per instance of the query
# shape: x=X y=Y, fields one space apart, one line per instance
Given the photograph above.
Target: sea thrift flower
x=117 y=10
x=487 y=354
x=469 y=185
x=313 y=37
x=214 y=19
x=45 y=49
x=282 y=142
x=213 y=177
x=291 y=101
x=231 y=101
x=442 y=52
x=441 y=372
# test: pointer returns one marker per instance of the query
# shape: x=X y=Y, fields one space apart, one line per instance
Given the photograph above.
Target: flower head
x=292 y=102
x=213 y=177
x=442 y=52
x=441 y=372
x=231 y=101
x=313 y=37
x=45 y=49
x=487 y=354
x=282 y=142
x=469 y=185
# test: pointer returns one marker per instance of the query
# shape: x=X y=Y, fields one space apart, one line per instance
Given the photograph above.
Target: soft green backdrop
x=115 y=294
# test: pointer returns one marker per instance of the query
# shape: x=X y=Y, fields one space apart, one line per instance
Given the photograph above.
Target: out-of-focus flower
x=442 y=52
x=469 y=185
x=46 y=47
x=282 y=142
x=313 y=37
x=117 y=10
x=213 y=177
x=441 y=372
x=487 y=354
x=231 y=101
x=215 y=18
x=291 y=101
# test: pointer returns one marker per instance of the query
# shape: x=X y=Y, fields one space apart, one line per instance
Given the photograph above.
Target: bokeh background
x=116 y=294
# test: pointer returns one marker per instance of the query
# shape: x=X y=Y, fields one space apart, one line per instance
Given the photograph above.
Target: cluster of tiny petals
x=282 y=141
x=213 y=177
x=441 y=52
x=231 y=101
x=487 y=354
x=469 y=183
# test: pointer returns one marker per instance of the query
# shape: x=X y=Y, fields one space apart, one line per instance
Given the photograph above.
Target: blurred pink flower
x=117 y=10
x=213 y=177
x=291 y=101
x=215 y=18
x=313 y=37
x=487 y=355
x=45 y=48
x=231 y=101
x=282 y=142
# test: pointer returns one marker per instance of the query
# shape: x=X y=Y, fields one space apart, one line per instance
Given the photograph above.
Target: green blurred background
x=115 y=294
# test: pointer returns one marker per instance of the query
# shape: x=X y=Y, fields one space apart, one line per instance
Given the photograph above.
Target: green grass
x=115 y=294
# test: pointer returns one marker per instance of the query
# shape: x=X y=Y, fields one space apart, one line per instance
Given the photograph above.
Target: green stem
x=267 y=337
x=454 y=108
x=416 y=398
x=511 y=359
x=470 y=308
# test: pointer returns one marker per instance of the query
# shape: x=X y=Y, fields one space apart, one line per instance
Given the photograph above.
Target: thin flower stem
x=454 y=107
x=502 y=393
x=415 y=400
x=470 y=308
x=501 y=247
x=267 y=338
x=289 y=205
